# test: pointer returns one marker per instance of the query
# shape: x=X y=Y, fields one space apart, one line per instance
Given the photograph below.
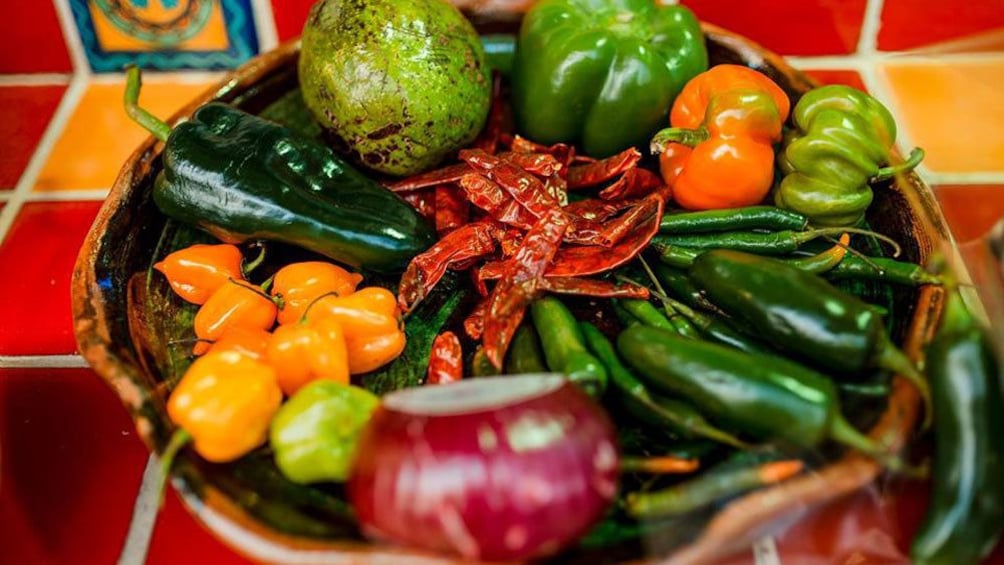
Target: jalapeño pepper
x=241 y=177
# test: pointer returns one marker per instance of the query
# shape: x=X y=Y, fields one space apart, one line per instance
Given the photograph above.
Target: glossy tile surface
x=101 y=125
x=179 y=538
x=36 y=260
x=70 y=465
x=25 y=112
x=289 y=17
x=948 y=110
x=972 y=25
x=31 y=40
x=971 y=210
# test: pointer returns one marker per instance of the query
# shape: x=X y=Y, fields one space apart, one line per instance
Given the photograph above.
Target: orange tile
x=99 y=136
x=953 y=110
x=970 y=210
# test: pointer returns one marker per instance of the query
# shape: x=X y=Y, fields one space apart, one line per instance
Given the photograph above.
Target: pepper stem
x=916 y=156
x=683 y=136
x=891 y=358
x=809 y=235
x=250 y=266
x=178 y=440
x=306 y=310
x=151 y=123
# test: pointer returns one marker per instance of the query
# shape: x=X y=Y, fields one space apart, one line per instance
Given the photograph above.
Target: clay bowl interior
x=123 y=323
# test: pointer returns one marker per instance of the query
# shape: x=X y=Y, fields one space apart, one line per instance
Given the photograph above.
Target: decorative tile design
x=972 y=25
x=166 y=34
x=803 y=27
x=99 y=136
x=970 y=210
x=179 y=538
x=37 y=258
x=31 y=40
x=952 y=110
x=25 y=112
x=70 y=466
x=290 y=16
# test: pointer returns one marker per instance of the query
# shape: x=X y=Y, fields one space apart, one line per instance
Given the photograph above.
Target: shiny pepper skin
x=304 y=352
x=371 y=319
x=237 y=303
x=719 y=152
x=299 y=284
x=248 y=341
x=226 y=402
x=197 y=271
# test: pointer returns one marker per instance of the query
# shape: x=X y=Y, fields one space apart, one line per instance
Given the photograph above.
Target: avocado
x=397 y=85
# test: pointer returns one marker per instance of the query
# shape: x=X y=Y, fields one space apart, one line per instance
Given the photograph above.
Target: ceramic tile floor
x=71 y=468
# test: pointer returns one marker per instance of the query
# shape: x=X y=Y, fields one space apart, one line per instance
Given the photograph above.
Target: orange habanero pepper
x=235 y=304
x=197 y=271
x=299 y=284
x=304 y=352
x=719 y=152
x=248 y=341
x=225 y=403
x=371 y=319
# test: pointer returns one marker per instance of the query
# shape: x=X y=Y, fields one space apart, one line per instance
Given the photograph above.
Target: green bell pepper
x=240 y=177
x=602 y=73
x=842 y=139
x=314 y=434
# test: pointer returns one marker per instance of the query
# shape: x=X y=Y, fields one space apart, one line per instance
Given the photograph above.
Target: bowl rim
x=735 y=525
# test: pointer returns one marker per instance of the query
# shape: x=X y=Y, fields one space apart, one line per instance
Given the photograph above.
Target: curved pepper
x=371 y=319
x=235 y=304
x=299 y=284
x=719 y=152
x=602 y=73
x=248 y=341
x=305 y=352
x=225 y=402
x=842 y=139
x=195 y=272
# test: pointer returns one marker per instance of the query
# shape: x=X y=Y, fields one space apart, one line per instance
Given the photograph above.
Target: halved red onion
x=502 y=468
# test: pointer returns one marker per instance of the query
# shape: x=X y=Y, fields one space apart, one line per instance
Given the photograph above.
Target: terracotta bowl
x=119 y=315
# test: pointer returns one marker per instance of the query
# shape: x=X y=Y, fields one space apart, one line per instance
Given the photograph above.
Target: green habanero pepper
x=314 y=434
x=240 y=177
x=842 y=139
x=602 y=73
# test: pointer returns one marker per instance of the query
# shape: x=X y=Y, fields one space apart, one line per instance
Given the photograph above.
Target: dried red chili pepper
x=592 y=174
x=520 y=283
x=423 y=201
x=540 y=164
x=634 y=183
x=500 y=205
x=446 y=360
x=452 y=208
x=527 y=189
x=426 y=269
x=594 y=287
x=428 y=179
x=596 y=210
x=474 y=323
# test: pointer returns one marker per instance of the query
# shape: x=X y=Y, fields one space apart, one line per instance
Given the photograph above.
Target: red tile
x=908 y=24
x=37 y=258
x=850 y=78
x=70 y=467
x=31 y=40
x=805 y=27
x=971 y=210
x=290 y=16
x=24 y=114
x=180 y=538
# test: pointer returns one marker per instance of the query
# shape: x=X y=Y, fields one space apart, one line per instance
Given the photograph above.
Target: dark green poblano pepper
x=314 y=434
x=242 y=177
x=842 y=139
x=602 y=74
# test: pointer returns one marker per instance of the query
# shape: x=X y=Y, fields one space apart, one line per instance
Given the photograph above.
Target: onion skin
x=510 y=482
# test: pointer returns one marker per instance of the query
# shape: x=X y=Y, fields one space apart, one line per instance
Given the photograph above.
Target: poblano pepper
x=242 y=177
x=602 y=73
x=842 y=140
x=314 y=434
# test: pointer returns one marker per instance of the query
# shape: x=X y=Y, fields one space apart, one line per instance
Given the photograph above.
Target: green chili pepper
x=241 y=177
x=645 y=312
x=679 y=256
x=732 y=219
x=761 y=243
x=314 y=434
x=524 y=354
x=565 y=348
x=602 y=74
x=883 y=269
x=768 y=397
x=966 y=514
x=802 y=315
x=843 y=138
x=679 y=417
x=481 y=366
x=716 y=329
x=679 y=285
x=500 y=52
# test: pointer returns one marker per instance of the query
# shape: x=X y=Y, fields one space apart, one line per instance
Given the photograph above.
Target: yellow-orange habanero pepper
x=371 y=319
x=299 y=284
x=225 y=402
x=306 y=351
x=252 y=342
x=197 y=271
x=235 y=304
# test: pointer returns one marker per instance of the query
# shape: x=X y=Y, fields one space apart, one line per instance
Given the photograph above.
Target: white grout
x=42 y=362
x=36 y=79
x=868 y=39
x=264 y=22
x=67 y=195
x=52 y=133
x=144 y=516
x=968 y=177
x=72 y=37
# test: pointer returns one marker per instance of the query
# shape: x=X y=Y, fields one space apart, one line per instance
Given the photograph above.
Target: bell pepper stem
x=151 y=123
x=916 y=156
x=683 y=136
x=178 y=441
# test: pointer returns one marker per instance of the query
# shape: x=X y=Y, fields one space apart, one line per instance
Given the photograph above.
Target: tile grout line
x=71 y=98
x=71 y=35
x=264 y=20
x=144 y=516
x=870 y=25
x=35 y=79
x=72 y=361
x=75 y=195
